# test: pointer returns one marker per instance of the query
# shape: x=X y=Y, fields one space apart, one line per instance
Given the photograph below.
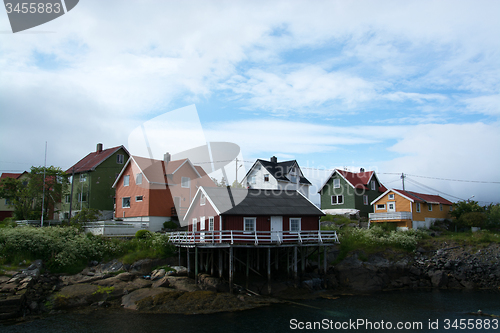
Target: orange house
x=409 y=209
x=156 y=191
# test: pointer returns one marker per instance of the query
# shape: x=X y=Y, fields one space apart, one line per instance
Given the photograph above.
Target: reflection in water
x=409 y=306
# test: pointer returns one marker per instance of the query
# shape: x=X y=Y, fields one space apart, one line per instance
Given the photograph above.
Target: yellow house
x=409 y=209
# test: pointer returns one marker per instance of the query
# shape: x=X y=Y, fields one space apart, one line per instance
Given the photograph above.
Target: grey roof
x=279 y=170
x=230 y=201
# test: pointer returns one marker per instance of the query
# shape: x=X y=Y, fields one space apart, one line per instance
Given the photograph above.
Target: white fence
x=115 y=229
x=253 y=237
x=391 y=216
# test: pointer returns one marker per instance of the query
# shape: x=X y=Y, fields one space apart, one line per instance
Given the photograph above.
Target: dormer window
x=266 y=177
x=185 y=181
x=391 y=196
x=336 y=183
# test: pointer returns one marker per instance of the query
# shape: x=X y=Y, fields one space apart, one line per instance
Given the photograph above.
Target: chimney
x=274 y=159
x=362 y=170
x=99 y=148
x=166 y=157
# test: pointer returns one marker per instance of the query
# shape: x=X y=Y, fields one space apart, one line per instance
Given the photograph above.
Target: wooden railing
x=391 y=216
x=253 y=237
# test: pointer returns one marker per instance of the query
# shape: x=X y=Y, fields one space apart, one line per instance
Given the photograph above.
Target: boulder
x=130 y=301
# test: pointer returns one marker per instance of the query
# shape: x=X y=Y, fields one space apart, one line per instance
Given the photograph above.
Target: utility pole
x=403 y=180
x=43 y=189
x=71 y=195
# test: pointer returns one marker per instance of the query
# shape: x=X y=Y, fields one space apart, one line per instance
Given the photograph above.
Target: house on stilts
x=258 y=229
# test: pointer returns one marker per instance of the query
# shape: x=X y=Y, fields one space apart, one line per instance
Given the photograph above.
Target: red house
x=228 y=215
x=154 y=191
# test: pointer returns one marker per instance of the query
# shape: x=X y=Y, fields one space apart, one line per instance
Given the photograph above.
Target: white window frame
x=83 y=177
x=203 y=200
x=82 y=198
x=380 y=208
x=365 y=200
x=138 y=198
x=202 y=223
x=429 y=207
x=373 y=185
x=211 y=223
x=123 y=202
x=336 y=183
x=389 y=209
x=337 y=199
x=391 y=196
x=418 y=207
x=126 y=180
x=185 y=182
x=253 y=180
x=138 y=179
x=299 y=224
x=67 y=198
x=195 y=221
x=252 y=220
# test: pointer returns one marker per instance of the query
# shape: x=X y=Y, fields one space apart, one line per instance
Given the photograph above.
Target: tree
x=462 y=207
x=27 y=195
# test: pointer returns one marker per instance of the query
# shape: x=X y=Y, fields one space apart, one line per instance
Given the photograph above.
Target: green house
x=350 y=192
x=92 y=179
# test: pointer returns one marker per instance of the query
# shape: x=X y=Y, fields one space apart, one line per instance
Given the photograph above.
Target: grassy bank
x=66 y=249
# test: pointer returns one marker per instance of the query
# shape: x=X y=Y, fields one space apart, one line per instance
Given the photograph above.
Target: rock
x=110 y=267
x=126 y=277
x=157 y=274
x=438 y=279
x=182 y=283
x=77 y=295
x=161 y=283
x=179 y=271
x=130 y=301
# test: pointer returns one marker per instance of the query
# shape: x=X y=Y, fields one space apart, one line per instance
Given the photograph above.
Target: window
x=67 y=198
x=418 y=207
x=202 y=222
x=83 y=177
x=365 y=200
x=391 y=196
x=337 y=199
x=138 y=198
x=126 y=202
x=373 y=185
x=82 y=198
x=266 y=177
x=429 y=207
x=138 y=179
x=295 y=224
x=336 y=183
x=194 y=225
x=391 y=206
x=249 y=224
x=203 y=200
x=119 y=159
x=253 y=180
x=211 y=223
x=185 y=181
x=7 y=202
x=126 y=180
x=381 y=206
x=441 y=207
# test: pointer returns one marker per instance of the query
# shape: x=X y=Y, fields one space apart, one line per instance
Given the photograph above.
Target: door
x=391 y=206
x=276 y=228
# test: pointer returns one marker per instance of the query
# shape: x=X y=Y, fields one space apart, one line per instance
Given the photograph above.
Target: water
x=440 y=308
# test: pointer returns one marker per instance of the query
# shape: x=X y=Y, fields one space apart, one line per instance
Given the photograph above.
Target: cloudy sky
x=393 y=86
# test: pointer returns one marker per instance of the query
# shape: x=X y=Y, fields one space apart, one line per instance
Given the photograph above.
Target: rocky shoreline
x=29 y=293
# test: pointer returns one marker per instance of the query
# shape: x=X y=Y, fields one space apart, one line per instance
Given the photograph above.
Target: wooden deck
x=252 y=238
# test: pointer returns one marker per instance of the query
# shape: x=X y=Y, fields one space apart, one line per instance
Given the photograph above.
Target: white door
x=202 y=227
x=276 y=228
x=391 y=206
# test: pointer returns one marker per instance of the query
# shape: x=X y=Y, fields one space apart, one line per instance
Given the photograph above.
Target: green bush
x=170 y=225
x=472 y=219
x=143 y=234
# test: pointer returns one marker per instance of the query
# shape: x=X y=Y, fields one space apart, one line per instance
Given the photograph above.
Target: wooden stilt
x=231 y=269
x=207 y=261
x=319 y=259
x=188 y=263
x=269 y=270
x=179 y=256
x=212 y=263
x=324 y=260
x=196 y=265
x=276 y=258
x=258 y=257
x=247 y=268
x=302 y=259
x=288 y=261
x=221 y=254
x=295 y=263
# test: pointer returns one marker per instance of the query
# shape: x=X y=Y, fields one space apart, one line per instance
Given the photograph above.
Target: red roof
x=427 y=198
x=360 y=179
x=10 y=175
x=92 y=160
x=155 y=171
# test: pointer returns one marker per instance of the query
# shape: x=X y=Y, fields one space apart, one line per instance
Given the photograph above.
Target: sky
x=396 y=87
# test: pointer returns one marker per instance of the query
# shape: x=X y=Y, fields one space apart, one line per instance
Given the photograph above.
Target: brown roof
x=10 y=175
x=92 y=160
x=427 y=198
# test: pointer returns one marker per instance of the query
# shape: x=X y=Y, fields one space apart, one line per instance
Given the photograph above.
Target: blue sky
x=398 y=87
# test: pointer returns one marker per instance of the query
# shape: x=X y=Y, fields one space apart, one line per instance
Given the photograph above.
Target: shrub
x=143 y=234
x=472 y=219
x=170 y=225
